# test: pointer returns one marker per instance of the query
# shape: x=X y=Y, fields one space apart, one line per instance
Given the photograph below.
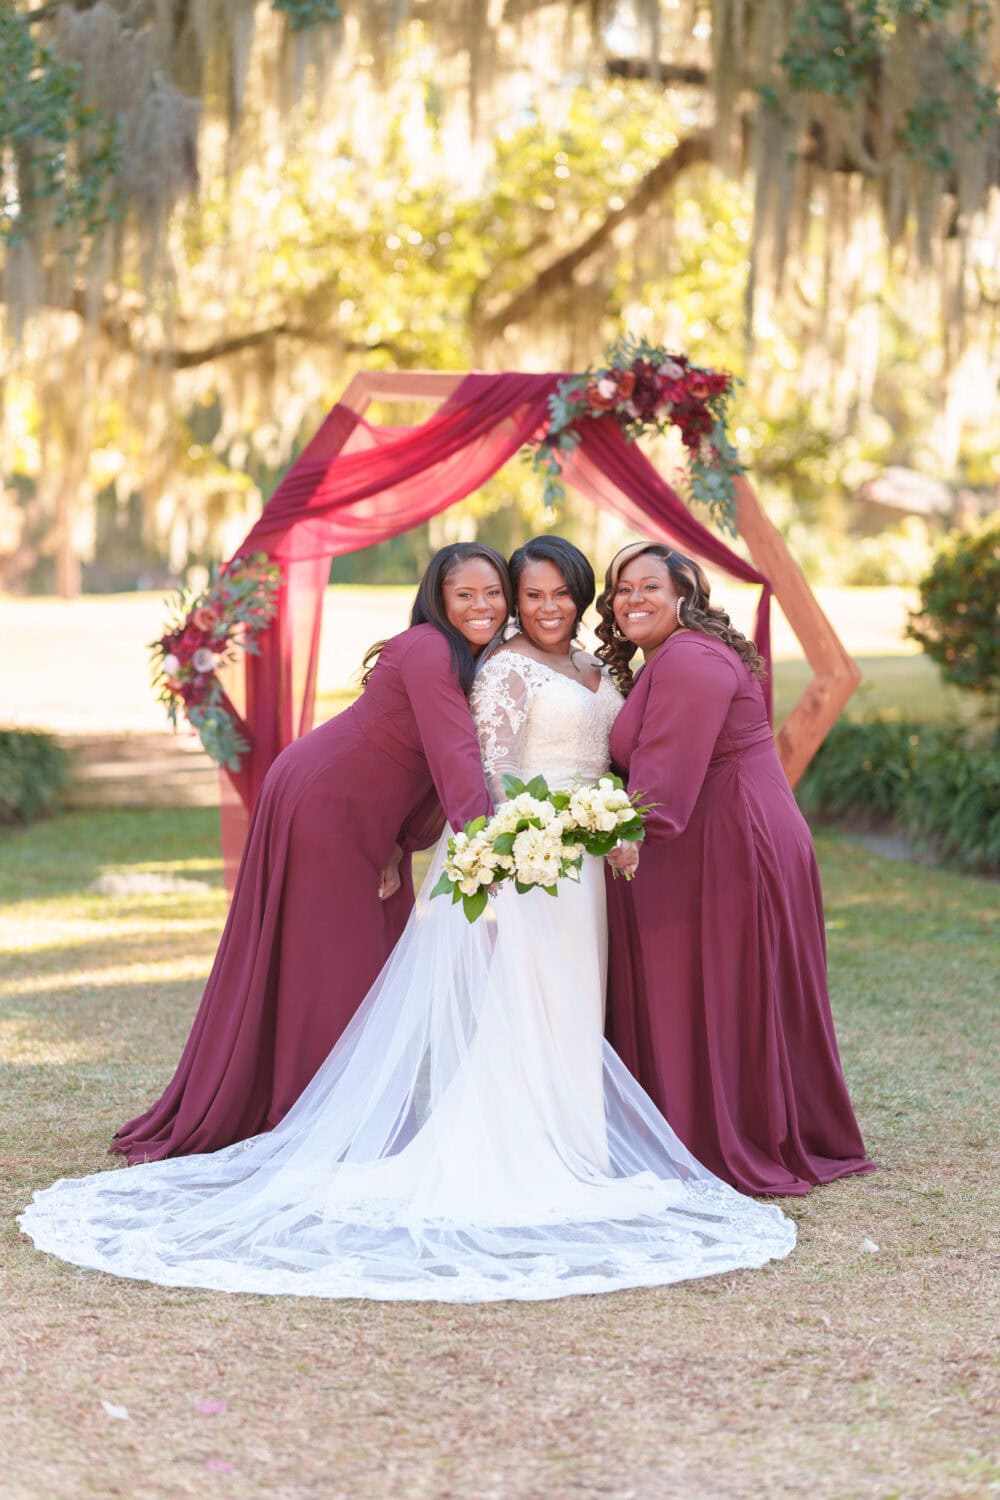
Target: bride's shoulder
x=506 y=678
x=582 y=658
x=506 y=661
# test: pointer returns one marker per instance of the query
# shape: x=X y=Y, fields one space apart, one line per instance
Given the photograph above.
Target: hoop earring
x=677 y=611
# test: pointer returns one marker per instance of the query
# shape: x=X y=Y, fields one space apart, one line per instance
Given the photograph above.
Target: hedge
x=940 y=786
x=33 y=770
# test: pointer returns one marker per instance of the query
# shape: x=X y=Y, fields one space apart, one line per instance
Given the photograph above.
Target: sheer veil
x=471 y=1137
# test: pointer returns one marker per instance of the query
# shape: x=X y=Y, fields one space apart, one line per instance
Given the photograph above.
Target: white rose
x=580 y=812
x=606 y=821
x=468 y=887
x=606 y=388
x=203 y=660
x=171 y=665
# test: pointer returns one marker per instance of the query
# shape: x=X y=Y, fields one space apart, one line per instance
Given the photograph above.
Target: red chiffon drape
x=357 y=484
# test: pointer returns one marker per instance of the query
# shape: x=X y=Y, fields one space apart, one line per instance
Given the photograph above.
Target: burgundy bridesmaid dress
x=718 y=998
x=307 y=934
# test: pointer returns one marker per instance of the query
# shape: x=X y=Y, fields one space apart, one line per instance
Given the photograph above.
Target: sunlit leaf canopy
x=213 y=211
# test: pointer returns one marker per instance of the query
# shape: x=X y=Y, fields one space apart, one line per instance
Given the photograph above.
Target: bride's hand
x=388 y=881
x=624 y=860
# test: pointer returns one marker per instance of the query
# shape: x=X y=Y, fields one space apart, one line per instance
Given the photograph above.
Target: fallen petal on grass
x=220 y=1466
x=211 y=1407
x=869 y=1247
x=120 y=1413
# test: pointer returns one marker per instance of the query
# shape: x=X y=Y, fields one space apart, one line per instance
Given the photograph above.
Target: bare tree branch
x=671 y=75
x=690 y=152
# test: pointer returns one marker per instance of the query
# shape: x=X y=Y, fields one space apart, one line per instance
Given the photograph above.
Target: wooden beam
x=836 y=675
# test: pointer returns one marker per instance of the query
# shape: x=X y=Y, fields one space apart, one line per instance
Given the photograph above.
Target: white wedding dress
x=471 y=1137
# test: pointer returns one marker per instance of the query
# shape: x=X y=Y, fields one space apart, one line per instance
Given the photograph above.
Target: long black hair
x=577 y=573
x=429 y=609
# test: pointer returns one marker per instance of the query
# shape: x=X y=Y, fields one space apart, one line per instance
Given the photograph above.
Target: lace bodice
x=531 y=718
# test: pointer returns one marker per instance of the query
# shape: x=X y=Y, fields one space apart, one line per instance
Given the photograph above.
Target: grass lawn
x=842 y=1372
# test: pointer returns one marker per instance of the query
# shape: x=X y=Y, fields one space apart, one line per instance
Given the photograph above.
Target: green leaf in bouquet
x=476 y=826
x=538 y=787
x=504 y=843
x=602 y=843
x=560 y=800
x=632 y=832
x=456 y=896
x=521 y=888
x=550 y=890
x=474 y=906
x=513 y=787
x=444 y=885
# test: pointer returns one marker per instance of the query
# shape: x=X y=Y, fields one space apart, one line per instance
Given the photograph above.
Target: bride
x=471 y=1137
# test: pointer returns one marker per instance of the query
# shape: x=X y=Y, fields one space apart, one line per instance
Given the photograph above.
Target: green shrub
x=941 y=786
x=861 y=770
x=951 y=804
x=33 y=769
x=958 y=622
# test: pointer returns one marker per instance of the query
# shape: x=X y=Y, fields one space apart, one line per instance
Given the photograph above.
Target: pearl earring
x=677 y=611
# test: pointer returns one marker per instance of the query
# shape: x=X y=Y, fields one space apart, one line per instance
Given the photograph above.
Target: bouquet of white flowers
x=535 y=838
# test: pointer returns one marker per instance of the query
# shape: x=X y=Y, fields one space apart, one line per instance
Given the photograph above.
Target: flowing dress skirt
x=472 y=1137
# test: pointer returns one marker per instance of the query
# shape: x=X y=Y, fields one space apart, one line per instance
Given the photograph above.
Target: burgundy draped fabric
x=357 y=484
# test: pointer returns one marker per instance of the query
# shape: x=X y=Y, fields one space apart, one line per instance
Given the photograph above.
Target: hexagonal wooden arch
x=835 y=673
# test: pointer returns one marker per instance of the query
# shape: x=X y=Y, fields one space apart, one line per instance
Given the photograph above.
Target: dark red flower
x=671 y=389
x=646 y=394
x=694 y=421
x=197 y=688
x=190 y=640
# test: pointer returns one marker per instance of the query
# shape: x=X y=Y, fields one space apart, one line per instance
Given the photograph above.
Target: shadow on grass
x=66 y=853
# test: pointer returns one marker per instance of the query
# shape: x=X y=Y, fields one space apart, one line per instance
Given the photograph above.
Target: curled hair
x=696 y=613
x=577 y=574
x=429 y=607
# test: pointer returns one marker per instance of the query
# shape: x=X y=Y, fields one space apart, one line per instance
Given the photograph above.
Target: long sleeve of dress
x=689 y=697
x=447 y=733
x=424 y=824
x=500 y=710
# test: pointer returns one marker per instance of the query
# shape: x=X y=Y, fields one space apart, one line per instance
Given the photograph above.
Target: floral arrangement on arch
x=204 y=634
x=645 y=388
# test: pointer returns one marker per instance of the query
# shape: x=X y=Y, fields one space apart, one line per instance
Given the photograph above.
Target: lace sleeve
x=499 y=703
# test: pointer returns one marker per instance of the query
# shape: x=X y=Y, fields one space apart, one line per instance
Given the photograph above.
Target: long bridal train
x=470 y=1138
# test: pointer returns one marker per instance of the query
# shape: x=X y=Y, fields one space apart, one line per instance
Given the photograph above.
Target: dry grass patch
x=839 y=1373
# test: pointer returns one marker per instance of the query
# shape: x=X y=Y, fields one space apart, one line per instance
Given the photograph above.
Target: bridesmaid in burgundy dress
x=324 y=887
x=718 y=997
